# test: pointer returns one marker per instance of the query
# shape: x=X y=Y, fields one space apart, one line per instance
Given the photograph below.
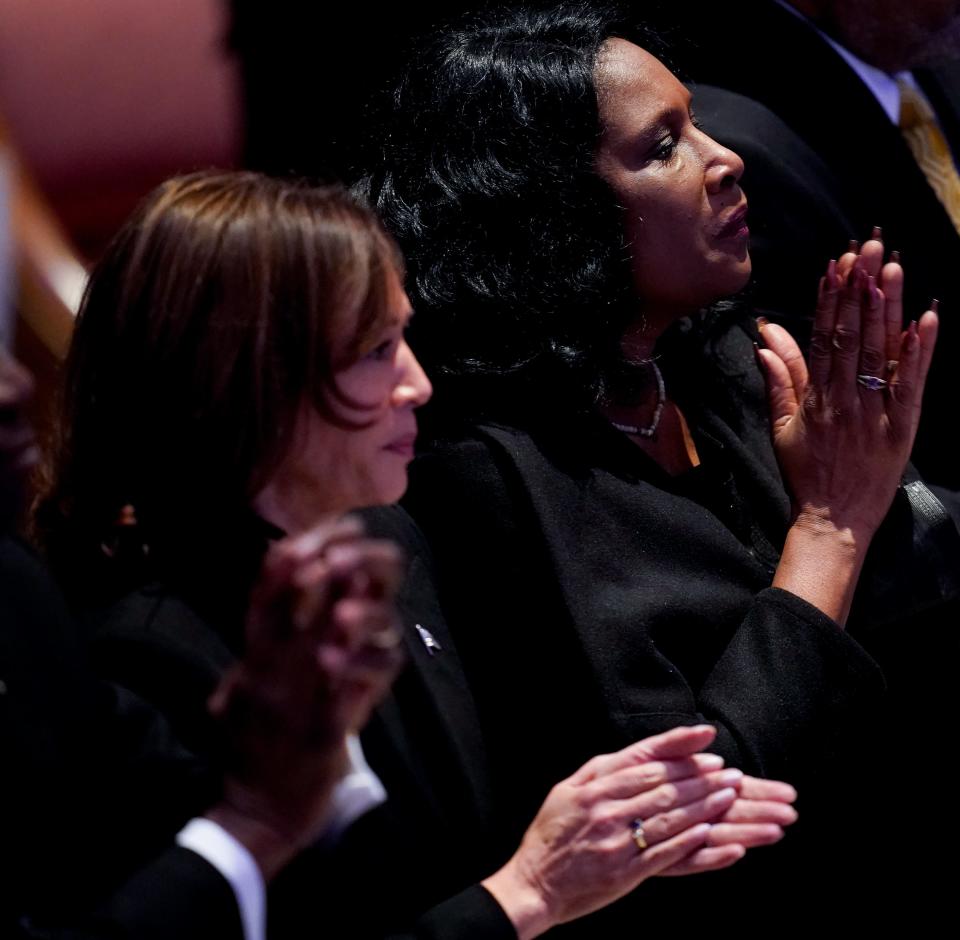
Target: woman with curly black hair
x=633 y=528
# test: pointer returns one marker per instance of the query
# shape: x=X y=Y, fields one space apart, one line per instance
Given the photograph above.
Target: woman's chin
x=388 y=491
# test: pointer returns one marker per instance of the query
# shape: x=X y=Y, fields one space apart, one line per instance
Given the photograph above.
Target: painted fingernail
x=832 y=272
x=895 y=257
x=722 y=796
x=935 y=305
x=761 y=323
x=876 y=233
x=710 y=761
x=853 y=245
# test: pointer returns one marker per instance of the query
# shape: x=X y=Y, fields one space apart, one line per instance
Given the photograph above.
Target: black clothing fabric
x=596 y=600
x=405 y=869
x=826 y=167
x=93 y=788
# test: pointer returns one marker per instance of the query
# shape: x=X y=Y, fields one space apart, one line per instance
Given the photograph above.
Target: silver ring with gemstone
x=872 y=382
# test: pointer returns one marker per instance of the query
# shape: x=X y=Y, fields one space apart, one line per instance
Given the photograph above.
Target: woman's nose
x=414 y=387
x=724 y=168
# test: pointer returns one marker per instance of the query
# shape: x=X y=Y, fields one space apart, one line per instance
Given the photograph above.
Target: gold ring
x=636 y=831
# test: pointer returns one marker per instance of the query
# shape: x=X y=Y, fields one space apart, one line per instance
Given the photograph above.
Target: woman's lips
x=404 y=446
x=736 y=225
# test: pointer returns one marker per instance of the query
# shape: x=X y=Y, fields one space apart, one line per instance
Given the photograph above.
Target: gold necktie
x=929 y=148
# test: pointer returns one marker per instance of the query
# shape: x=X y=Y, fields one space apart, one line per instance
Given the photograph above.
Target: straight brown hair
x=226 y=301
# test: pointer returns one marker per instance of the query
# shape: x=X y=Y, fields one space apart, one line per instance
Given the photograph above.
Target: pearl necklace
x=651 y=428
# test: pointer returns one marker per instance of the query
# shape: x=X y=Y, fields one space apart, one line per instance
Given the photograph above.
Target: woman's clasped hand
x=843 y=427
x=322 y=648
x=657 y=807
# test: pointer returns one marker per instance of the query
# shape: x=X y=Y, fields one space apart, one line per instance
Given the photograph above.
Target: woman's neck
x=663 y=431
x=284 y=504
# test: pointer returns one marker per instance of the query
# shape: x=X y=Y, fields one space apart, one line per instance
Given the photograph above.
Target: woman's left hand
x=579 y=853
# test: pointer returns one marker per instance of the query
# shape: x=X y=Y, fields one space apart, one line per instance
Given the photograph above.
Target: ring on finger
x=872 y=382
x=636 y=832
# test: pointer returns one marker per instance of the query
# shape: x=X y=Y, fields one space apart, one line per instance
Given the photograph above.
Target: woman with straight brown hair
x=239 y=370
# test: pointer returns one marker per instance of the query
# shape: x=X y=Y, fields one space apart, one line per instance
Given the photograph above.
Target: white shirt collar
x=882 y=86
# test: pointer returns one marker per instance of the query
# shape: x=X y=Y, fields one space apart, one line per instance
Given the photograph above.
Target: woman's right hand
x=322 y=647
x=843 y=430
x=579 y=853
x=842 y=445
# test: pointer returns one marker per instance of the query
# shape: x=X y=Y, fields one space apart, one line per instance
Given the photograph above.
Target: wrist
x=821 y=562
x=522 y=901
x=842 y=539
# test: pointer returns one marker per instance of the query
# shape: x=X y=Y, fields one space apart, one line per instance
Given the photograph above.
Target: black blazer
x=409 y=867
x=596 y=600
x=827 y=166
x=93 y=788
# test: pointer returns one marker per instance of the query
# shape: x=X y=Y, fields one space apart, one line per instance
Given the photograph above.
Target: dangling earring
x=125 y=542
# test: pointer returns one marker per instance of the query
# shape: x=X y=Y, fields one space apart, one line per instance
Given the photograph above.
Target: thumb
x=781 y=392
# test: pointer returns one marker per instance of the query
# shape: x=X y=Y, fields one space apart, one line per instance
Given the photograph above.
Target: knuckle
x=583 y=797
x=873 y=362
x=903 y=390
x=605 y=820
x=664 y=798
x=645 y=777
x=821 y=343
x=846 y=342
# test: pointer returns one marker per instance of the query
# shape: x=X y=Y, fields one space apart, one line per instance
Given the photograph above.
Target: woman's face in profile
x=684 y=209
x=334 y=469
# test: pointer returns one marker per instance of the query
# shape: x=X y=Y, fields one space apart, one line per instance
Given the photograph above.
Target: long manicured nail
x=832 y=273
x=853 y=246
x=895 y=257
x=761 y=323
x=935 y=305
x=721 y=797
x=876 y=233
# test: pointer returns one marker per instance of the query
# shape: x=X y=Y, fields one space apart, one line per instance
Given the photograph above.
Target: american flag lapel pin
x=429 y=640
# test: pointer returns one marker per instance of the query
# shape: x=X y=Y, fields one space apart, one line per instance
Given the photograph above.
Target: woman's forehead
x=631 y=80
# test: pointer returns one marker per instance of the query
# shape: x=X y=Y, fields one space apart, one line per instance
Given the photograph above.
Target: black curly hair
x=519 y=271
